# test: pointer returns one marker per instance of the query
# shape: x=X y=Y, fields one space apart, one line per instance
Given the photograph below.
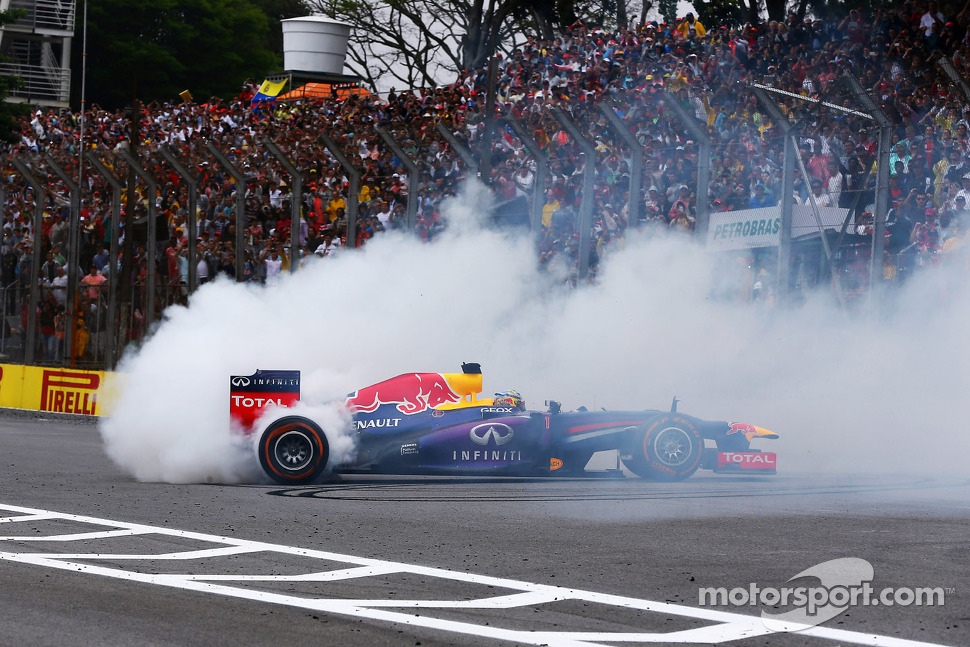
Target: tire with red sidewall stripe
x=668 y=449
x=293 y=450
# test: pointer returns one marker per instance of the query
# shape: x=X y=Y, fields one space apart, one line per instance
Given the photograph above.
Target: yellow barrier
x=58 y=390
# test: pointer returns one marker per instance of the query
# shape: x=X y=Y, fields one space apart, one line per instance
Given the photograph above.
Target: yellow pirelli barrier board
x=58 y=390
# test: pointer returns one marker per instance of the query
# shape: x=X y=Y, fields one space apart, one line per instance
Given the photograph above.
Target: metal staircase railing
x=38 y=83
x=37 y=66
x=46 y=15
x=31 y=44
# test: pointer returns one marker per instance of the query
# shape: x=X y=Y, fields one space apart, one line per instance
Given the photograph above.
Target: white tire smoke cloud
x=847 y=392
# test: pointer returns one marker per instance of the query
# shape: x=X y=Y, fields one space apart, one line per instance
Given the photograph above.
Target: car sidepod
x=577 y=435
x=496 y=445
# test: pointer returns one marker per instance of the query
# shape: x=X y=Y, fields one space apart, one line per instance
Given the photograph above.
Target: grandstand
x=755 y=139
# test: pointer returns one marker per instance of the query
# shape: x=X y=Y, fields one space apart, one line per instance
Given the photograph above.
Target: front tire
x=293 y=450
x=669 y=449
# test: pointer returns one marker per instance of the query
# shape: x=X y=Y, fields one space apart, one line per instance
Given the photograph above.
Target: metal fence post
x=114 y=274
x=589 y=182
x=240 y=179
x=463 y=151
x=40 y=194
x=946 y=64
x=353 y=177
x=192 y=187
x=152 y=242
x=882 y=178
x=787 y=193
x=296 y=205
x=699 y=133
x=73 y=257
x=542 y=168
x=412 y=176
x=636 y=165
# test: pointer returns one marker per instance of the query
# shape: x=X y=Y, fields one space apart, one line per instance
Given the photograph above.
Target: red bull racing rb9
x=437 y=423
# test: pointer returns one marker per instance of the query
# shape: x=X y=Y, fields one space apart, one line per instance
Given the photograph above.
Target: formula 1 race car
x=435 y=423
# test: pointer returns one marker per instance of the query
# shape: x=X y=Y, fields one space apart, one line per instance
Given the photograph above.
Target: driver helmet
x=509 y=399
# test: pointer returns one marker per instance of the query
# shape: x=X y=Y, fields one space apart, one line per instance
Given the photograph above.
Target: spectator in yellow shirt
x=365 y=193
x=336 y=204
x=691 y=23
x=551 y=205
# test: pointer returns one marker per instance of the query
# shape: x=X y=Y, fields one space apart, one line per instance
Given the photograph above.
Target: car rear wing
x=250 y=395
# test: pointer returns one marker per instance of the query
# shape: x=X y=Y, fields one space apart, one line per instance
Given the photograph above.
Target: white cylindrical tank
x=314 y=44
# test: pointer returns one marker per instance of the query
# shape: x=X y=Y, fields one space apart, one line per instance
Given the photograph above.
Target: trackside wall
x=58 y=390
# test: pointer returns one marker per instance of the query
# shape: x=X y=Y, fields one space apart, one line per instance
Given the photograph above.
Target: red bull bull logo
x=411 y=392
x=742 y=428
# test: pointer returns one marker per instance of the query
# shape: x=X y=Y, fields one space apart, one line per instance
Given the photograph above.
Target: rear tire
x=293 y=450
x=669 y=449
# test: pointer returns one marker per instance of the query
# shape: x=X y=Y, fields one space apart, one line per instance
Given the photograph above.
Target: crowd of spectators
x=708 y=69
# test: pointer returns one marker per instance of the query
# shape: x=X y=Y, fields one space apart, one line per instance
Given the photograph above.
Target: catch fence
x=737 y=174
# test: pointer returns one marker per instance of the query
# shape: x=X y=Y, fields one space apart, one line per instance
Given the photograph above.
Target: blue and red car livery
x=436 y=423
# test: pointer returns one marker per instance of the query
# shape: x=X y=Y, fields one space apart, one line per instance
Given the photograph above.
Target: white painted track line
x=726 y=626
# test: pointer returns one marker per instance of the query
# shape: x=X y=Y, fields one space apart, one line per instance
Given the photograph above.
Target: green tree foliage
x=275 y=11
x=10 y=112
x=154 y=50
x=566 y=10
x=668 y=9
x=714 y=13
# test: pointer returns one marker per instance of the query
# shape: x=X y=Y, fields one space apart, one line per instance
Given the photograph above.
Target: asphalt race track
x=90 y=557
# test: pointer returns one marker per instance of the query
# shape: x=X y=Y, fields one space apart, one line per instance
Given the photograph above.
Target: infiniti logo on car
x=497 y=432
x=240 y=381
